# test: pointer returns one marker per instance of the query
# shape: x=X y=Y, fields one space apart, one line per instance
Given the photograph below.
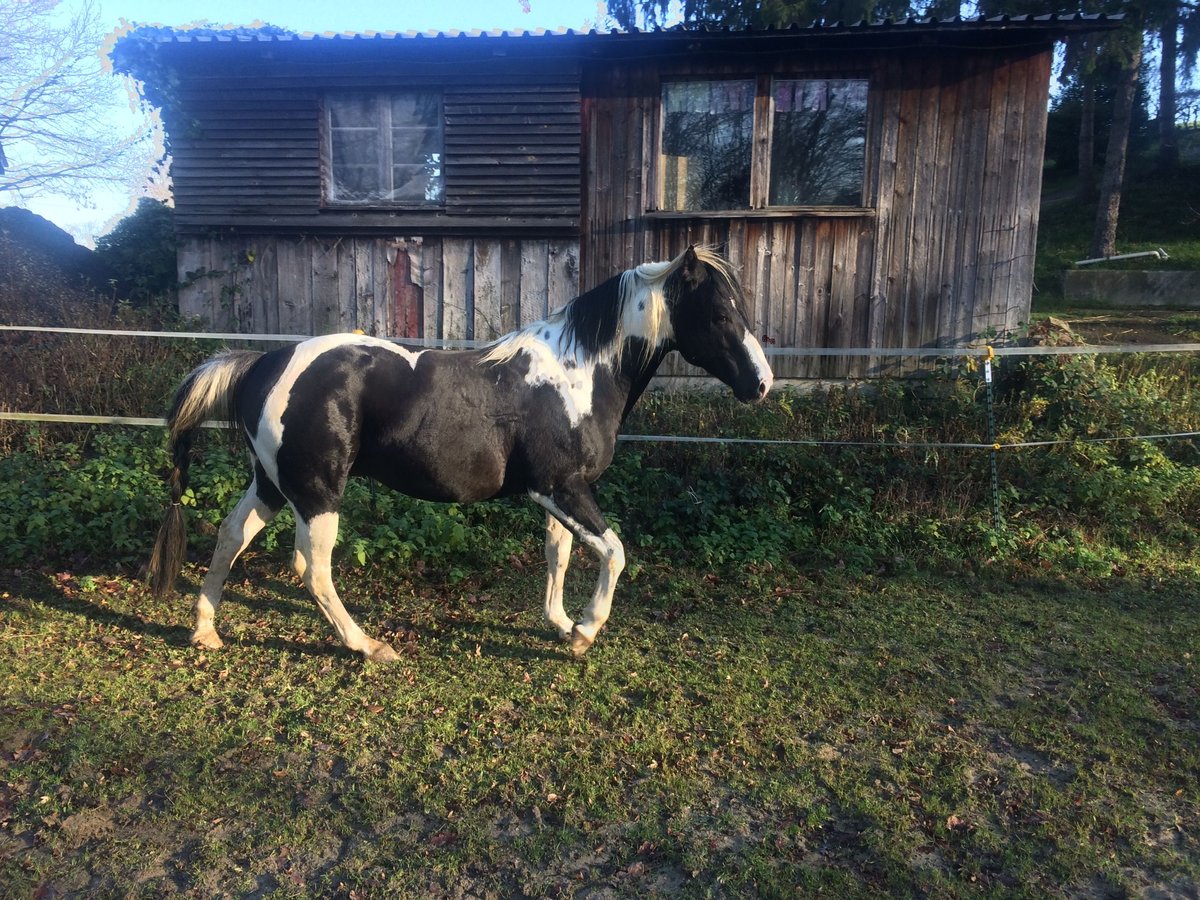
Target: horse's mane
x=635 y=303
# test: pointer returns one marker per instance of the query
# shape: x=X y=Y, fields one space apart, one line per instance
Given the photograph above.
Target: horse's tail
x=209 y=389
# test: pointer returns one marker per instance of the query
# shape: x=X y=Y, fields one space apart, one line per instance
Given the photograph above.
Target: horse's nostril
x=762 y=389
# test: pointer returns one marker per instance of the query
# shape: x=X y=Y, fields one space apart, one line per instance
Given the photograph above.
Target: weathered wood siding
x=942 y=252
x=551 y=186
x=451 y=288
x=247 y=152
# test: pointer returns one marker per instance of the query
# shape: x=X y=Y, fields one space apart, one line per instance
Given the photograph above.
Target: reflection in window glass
x=817 y=142
x=386 y=148
x=706 y=139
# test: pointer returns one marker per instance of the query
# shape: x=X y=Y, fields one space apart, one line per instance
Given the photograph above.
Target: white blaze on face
x=755 y=351
x=270 y=420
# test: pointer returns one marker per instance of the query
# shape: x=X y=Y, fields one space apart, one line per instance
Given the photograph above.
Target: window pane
x=416 y=150
x=353 y=112
x=418 y=183
x=386 y=148
x=355 y=149
x=706 y=141
x=818 y=142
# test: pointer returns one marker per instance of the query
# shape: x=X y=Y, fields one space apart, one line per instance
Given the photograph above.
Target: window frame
x=382 y=101
x=762 y=134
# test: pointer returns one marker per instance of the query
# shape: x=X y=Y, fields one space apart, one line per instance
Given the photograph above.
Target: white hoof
x=381 y=653
x=580 y=642
x=207 y=638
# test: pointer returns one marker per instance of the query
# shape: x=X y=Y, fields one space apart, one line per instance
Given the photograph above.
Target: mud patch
x=88 y=825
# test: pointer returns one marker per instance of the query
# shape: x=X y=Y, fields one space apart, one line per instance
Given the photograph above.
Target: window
x=818 y=137
x=385 y=149
x=706 y=139
x=815 y=129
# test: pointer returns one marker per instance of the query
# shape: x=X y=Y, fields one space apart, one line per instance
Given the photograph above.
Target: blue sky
x=88 y=222
x=361 y=15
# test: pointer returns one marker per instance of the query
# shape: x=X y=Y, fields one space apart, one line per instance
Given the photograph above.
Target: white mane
x=640 y=309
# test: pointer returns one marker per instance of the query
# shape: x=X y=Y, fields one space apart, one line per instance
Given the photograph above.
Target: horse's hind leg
x=256 y=508
x=314 y=547
x=558 y=555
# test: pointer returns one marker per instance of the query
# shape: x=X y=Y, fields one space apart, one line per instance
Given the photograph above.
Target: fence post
x=997 y=521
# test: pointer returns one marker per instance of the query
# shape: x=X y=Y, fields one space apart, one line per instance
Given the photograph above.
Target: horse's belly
x=464 y=476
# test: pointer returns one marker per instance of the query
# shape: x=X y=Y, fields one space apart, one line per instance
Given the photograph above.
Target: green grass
x=752 y=732
x=1157 y=211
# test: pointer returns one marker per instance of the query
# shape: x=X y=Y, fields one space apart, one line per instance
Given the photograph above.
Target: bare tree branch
x=58 y=106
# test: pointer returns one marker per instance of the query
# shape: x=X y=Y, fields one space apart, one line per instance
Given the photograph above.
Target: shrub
x=140 y=253
x=889 y=498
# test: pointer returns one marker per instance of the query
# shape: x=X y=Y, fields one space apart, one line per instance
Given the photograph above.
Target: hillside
x=44 y=274
x=1157 y=211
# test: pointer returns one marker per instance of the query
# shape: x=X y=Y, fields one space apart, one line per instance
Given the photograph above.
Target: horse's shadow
x=527 y=643
x=515 y=642
x=79 y=605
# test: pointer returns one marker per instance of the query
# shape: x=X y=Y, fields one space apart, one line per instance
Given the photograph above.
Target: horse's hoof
x=580 y=642
x=207 y=640
x=382 y=653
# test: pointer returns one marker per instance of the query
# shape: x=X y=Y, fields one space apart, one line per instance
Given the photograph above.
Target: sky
x=362 y=15
x=108 y=207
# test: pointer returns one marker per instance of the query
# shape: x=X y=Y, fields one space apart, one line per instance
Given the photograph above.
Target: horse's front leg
x=558 y=556
x=575 y=508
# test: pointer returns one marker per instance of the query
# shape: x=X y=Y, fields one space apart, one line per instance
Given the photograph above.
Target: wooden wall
x=453 y=288
x=246 y=148
x=940 y=255
x=551 y=187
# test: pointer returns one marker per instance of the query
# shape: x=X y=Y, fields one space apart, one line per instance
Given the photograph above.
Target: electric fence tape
x=465 y=344
x=988 y=353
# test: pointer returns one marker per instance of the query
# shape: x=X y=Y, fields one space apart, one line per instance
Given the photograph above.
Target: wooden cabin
x=877 y=184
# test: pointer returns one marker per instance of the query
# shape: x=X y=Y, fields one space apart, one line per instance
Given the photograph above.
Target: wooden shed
x=877 y=184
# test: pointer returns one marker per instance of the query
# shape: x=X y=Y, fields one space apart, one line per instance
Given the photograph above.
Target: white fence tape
x=944 y=352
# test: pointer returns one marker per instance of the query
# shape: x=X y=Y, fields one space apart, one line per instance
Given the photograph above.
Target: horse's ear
x=692 y=269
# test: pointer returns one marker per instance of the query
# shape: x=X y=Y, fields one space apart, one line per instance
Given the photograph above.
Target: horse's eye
x=720 y=318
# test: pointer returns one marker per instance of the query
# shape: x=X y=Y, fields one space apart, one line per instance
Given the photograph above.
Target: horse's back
x=436 y=424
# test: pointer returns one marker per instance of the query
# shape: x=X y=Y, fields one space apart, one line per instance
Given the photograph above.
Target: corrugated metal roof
x=1045 y=22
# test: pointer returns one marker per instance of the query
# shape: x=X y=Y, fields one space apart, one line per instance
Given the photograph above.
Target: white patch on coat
x=755 y=351
x=571 y=379
x=270 y=421
x=552 y=362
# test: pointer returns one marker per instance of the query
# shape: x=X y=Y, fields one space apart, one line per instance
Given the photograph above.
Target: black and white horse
x=536 y=413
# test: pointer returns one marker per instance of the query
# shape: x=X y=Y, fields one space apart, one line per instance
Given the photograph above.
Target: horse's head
x=710 y=327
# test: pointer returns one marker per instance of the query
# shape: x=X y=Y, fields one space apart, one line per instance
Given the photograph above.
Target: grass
x=1157 y=211
x=754 y=732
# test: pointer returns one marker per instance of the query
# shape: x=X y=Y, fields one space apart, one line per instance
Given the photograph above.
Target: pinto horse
x=537 y=413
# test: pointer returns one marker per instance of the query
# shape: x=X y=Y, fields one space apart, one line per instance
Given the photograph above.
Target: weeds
x=872 y=505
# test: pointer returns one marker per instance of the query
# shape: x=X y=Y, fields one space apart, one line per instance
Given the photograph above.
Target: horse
x=536 y=412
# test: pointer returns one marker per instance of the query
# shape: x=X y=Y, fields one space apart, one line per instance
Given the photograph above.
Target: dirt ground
x=1124 y=326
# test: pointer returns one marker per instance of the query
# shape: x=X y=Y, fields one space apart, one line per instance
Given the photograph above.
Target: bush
x=93 y=375
x=888 y=499
x=140 y=253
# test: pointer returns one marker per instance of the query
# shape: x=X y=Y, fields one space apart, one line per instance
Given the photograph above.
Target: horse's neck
x=636 y=370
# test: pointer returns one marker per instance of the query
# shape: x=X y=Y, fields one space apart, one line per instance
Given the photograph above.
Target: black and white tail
x=208 y=392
